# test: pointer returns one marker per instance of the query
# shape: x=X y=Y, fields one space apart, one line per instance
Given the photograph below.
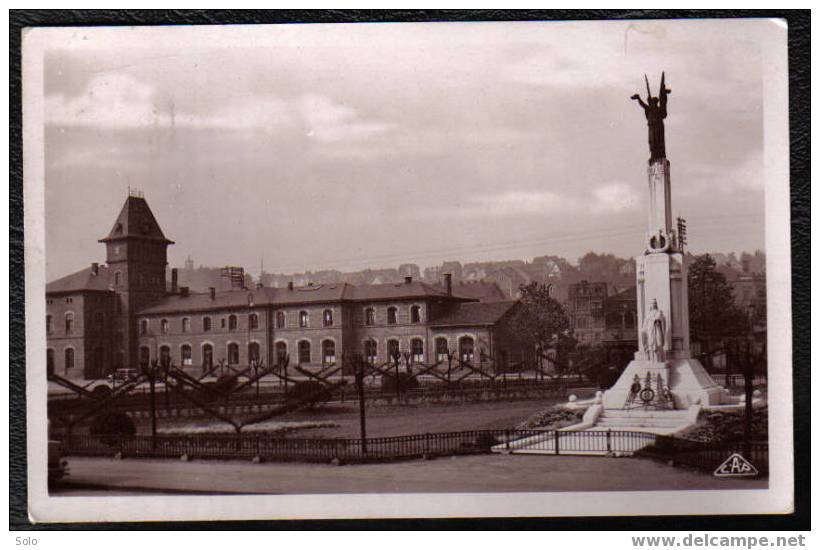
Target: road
x=485 y=473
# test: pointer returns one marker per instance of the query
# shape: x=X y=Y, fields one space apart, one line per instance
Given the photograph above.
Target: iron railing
x=272 y=447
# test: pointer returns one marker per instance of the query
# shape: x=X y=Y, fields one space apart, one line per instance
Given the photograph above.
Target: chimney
x=290 y=285
x=184 y=291
x=212 y=289
x=408 y=280
x=448 y=283
x=95 y=269
x=174 y=280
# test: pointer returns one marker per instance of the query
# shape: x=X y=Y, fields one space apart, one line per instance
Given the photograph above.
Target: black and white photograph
x=375 y=270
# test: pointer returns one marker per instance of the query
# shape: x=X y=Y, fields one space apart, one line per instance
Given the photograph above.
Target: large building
x=122 y=314
x=599 y=313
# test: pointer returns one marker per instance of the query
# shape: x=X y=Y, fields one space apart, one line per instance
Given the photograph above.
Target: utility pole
x=358 y=365
x=748 y=375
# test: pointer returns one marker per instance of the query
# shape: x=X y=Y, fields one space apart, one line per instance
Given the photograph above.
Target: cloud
x=328 y=121
x=614 y=197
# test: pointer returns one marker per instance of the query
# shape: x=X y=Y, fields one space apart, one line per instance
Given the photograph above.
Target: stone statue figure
x=653 y=333
x=655 y=111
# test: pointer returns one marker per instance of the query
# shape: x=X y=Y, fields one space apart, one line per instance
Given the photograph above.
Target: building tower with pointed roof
x=137 y=255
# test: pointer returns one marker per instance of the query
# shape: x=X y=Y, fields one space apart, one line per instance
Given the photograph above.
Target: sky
x=370 y=145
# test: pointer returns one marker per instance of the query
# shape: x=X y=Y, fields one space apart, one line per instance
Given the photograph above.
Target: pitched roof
x=136 y=220
x=484 y=291
x=318 y=293
x=83 y=280
x=474 y=313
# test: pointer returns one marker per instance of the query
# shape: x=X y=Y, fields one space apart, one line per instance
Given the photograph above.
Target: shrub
x=113 y=426
x=310 y=392
x=553 y=418
x=406 y=382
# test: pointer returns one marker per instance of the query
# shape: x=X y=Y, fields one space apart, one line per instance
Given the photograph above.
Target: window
x=393 y=349
x=303 y=319
x=99 y=320
x=187 y=356
x=370 y=351
x=417 y=350
x=391 y=315
x=253 y=320
x=69 y=358
x=581 y=322
x=304 y=352
x=253 y=353
x=232 y=322
x=441 y=349
x=163 y=326
x=206 y=324
x=117 y=278
x=466 y=346
x=415 y=314
x=145 y=356
x=281 y=353
x=327 y=318
x=233 y=353
x=328 y=352
x=48 y=324
x=370 y=316
x=69 y=323
x=164 y=355
x=186 y=324
x=144 y=326
x=49 y=361
x=222 y=322
x=207 y=357
x=280 y=319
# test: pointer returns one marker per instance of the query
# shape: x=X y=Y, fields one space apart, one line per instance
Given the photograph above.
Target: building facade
x=123 y=315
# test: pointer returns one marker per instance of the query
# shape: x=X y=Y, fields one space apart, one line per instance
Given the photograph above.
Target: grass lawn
x=396 y=420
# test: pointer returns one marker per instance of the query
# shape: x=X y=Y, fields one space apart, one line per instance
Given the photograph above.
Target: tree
x=540 y=321
x=713 y=316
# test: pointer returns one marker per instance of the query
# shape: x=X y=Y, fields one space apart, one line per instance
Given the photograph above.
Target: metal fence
x=270 y=447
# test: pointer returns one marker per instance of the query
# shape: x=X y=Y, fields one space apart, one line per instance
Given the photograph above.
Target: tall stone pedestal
x=663 y=312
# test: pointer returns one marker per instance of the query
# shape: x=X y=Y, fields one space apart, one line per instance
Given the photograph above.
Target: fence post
x=507 y=439
x=557 y=437
x=609 y=441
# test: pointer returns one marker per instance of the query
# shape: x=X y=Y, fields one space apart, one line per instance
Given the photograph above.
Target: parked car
x=122 y=375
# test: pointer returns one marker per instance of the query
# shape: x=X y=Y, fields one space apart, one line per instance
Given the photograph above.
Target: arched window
x=328 y=352
x=186 y=324
x=415 y=314
x=117 y=278
x=163 y=326
x=145 y=356
x=143 y=326
x=232 y=322
x=441 y=349
x=69 y=358
x=281 y=352
x=164 y=355
x=304 y=352
x=69 y=323
x=49 y=361
x=280 y=319
x=253 y=353
x=206 y=324
x=417 y=350
x=392 y=314
x=253 y=319
x=48 y=324
x=371 y=351
x=207 y=357
x=369 y=316
x=392 y=349
x=303 y=319
x=186 y=355
x=233 y=353
x=327 y=318
x=466 y=347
